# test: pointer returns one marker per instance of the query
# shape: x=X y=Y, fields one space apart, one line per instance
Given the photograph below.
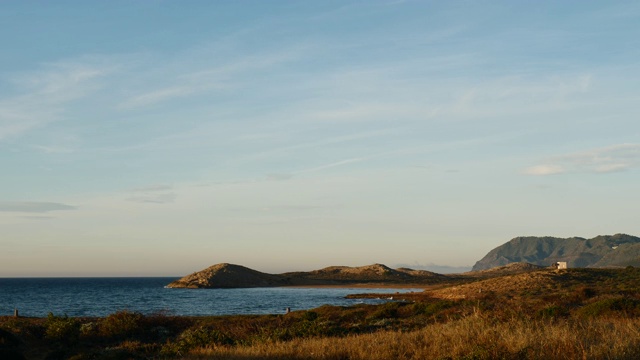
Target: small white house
x=561 y=265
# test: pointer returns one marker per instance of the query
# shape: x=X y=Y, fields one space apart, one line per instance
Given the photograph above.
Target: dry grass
x=530 y=283
x=474 y=337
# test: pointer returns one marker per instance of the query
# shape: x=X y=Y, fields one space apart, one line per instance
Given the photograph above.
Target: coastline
x=420 y=287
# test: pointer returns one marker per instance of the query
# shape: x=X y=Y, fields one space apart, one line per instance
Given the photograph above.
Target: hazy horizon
x=159 y=138
x=441 y=269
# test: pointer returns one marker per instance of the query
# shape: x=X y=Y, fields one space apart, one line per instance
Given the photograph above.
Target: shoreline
x=420 y=287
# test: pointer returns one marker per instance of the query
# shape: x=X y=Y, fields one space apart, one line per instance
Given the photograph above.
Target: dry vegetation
x=474 y=337
x=574 y=314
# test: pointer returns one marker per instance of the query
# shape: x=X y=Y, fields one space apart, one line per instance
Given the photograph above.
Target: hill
x=227 y=276
x=617 y=250
x=509 y=269
x=236 y=276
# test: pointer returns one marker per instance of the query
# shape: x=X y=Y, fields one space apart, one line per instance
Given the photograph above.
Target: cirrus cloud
x=33 y=206
x=609 y=159
x=46 y=93
x=544 y=170
x=153 y=194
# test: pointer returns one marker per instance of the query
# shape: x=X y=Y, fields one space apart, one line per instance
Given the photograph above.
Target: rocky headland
x=237 y=276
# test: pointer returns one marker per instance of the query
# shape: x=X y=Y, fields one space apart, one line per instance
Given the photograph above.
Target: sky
x=157 y=138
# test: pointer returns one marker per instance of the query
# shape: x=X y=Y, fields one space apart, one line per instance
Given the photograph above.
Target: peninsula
x=237 y=276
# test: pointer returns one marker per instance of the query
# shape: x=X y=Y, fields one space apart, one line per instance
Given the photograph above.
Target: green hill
x=601 y=251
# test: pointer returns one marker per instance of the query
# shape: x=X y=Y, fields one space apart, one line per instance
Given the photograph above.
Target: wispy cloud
x=608 y=159
x=318 y=143
x=544 y=170
x=163 y=198
x=54 y=149
x=37 y=217
x=45 y=93
x=152 y=188
x=279 y=176
x=291 y=208
x=159 y=95
x=360 y=112
x=220 y=77
x=153 y=194
x=332 y=165
x=33 y=206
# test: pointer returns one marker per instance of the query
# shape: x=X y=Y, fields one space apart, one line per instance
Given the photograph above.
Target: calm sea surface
x=103 y=296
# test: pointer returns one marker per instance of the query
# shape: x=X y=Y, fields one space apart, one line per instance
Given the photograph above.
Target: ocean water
x=103 y=296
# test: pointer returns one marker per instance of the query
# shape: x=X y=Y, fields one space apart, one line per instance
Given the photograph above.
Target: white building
x=561 y=265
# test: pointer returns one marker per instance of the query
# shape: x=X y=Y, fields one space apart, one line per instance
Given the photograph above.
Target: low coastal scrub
x=399 y=330
x=62 y=328
x=476 y=337
x=612 y=307
x=524 y=317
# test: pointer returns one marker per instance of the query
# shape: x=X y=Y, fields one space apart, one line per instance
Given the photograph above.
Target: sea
x=37 y=297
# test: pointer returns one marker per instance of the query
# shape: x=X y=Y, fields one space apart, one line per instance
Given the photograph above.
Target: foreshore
x=420 y=287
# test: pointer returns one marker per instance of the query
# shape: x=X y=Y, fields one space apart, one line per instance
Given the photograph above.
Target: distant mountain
x=602 y=251
x=236 y=276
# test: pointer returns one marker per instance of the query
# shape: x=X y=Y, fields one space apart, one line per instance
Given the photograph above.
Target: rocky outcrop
x=227 y=276
x=236 y=276
x=602 y=251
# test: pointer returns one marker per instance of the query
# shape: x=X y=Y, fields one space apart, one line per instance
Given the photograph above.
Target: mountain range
x=617 y=250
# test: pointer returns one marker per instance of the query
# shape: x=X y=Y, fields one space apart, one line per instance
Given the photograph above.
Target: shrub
x=88 y=329
x=62 y=328
x=122 y=324
x=432 y=308
x=23 y=327
x=581 y=294
x=309 y=316
x=200 y=337
x=611 y=307
x=553 y=312
x=8 y=340
x=385 y=311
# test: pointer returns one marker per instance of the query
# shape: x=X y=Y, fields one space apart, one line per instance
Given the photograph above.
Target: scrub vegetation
x=567 y=314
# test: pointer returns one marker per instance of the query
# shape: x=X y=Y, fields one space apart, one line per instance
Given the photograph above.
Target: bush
x=385 y=311
x=200 y=337
x=120 y=325
x=553 y=312
x=581 y=294
x=62 y=328
x=432 y=308
x=612 y=307
x=309 y=316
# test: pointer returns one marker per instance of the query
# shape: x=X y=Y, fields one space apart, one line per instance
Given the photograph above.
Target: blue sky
x=161 y=137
